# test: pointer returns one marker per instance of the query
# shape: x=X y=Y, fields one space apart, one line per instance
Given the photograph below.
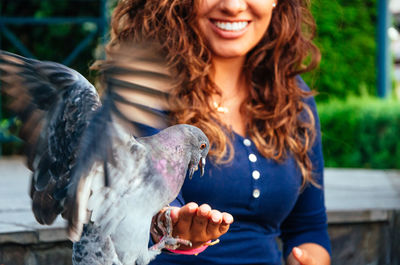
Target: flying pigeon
x=88 y=163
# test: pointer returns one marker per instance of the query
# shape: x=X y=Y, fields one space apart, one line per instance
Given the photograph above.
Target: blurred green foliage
x=361 y=132
x=356 y=132
x=53 y=42
x=8 y=129
x=346 y=36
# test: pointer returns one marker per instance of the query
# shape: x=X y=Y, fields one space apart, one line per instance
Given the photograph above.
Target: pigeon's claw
x=167 y=240
x=174 y=242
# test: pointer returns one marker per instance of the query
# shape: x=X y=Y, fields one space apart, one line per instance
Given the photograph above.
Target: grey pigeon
x=88 y=166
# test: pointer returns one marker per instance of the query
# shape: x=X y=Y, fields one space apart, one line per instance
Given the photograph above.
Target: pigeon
x=88 y=160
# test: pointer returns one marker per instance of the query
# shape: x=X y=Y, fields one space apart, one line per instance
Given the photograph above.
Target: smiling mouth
x=230 y=26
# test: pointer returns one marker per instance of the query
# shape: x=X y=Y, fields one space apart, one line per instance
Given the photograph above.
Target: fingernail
x=174 y=212
x=192 y=207
x=298 y=252
x=229 y=219
x=216 y=218
x=203 y=211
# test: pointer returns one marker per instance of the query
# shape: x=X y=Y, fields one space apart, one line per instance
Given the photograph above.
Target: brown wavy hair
x=273 y=105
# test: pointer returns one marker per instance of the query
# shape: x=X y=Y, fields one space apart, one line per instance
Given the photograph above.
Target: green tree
x=346 y=36
x=52 y=42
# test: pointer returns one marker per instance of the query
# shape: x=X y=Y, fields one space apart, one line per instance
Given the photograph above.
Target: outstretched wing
x=136 y=81
x=69 y=134
x=54 y=104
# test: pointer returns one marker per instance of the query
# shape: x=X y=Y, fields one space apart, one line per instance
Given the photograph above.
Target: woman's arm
x=304 y=232
x=309 y=254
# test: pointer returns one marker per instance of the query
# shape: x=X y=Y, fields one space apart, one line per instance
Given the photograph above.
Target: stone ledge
x=366 y=216
x=22 y=228
x=46 y=235
x=362 y=190
x=352 y=196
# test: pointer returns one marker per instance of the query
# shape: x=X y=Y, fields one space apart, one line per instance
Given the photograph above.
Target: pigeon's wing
x=70 y=136
x=136 y=83
x=138 y=79
x=54 y=104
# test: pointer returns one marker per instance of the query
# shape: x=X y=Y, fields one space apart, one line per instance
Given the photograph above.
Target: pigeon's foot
x=170 y=243
x=167 y=240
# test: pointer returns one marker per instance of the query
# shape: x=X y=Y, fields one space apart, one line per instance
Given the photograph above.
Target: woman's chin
x=229 y=53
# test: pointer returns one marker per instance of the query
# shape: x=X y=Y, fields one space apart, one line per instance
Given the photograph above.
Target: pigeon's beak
x=202 y=165
x=193 y=169
x=191 y=172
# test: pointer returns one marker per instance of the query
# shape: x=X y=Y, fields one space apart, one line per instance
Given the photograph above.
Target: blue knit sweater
x=265 y=200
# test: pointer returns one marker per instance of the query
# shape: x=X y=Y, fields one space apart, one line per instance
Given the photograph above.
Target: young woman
x=238 y=64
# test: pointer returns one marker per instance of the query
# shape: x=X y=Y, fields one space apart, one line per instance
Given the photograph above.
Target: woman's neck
x=228 y=75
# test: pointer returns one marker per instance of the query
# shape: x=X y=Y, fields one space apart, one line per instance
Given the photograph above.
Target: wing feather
x=121 y=109
x=54 y=104
x=70 y=135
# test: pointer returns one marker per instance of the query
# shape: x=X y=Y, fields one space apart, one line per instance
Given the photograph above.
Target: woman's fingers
x=227 y=220
x=185 y=218
x=200 y=221
x=218 y=224
x=199 y=224
x=303 y=257
x=174 y=214
x=214 y=224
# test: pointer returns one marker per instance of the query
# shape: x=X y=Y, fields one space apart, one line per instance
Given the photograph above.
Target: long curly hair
x=273 y=105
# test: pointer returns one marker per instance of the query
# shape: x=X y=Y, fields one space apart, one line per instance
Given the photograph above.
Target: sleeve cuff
x=317 y=236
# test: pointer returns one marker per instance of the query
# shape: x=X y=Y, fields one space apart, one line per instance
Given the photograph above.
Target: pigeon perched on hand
x=86 y=163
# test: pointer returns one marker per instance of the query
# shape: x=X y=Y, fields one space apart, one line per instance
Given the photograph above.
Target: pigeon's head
x=199 y=146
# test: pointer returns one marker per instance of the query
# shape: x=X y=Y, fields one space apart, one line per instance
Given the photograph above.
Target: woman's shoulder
x=304 y=87
x=301 y=84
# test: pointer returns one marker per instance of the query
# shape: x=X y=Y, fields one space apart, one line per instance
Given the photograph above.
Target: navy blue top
x=265 y=200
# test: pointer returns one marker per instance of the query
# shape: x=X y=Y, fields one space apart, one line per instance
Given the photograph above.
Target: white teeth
x=231 y=26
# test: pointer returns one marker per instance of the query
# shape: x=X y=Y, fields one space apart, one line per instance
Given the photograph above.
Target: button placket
x=255 y=173
x=247 y=142
x=256 y=193
x=253 y=158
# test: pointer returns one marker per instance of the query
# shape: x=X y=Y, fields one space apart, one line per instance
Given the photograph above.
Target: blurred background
x=358 y=84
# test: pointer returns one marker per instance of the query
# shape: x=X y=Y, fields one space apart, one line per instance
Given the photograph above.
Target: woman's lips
x=229 y=29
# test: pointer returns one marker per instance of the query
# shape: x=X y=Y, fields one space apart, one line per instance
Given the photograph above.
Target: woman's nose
x=233 y=7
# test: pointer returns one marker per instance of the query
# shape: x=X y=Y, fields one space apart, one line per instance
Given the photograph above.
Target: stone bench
x=363 y=215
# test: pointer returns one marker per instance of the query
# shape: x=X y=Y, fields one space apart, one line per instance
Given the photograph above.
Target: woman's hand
x=300 y=257
x=199 y=224
x=308 y=254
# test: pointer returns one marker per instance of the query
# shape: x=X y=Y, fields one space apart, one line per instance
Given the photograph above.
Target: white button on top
x=246 y=142
x=256 y=174
x=256 y=193
x=252 y=158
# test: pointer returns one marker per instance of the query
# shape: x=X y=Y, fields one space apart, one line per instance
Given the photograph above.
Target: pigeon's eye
x=202 y=146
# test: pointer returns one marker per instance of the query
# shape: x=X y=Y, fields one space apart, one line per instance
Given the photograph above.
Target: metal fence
x=100 y=30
